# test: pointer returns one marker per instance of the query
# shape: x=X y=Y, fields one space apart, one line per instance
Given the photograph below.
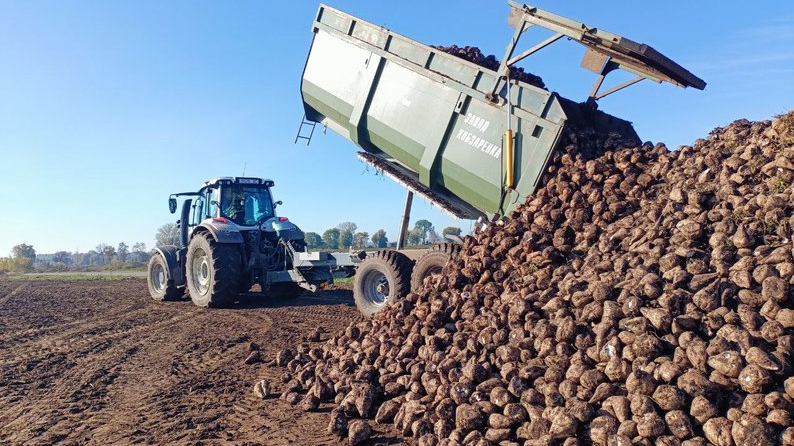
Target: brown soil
x=101 y=363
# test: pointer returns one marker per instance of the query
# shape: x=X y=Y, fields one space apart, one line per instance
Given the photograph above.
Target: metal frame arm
x=504 y=66
x=535 y=49
x=596 y=96
x=614 y=51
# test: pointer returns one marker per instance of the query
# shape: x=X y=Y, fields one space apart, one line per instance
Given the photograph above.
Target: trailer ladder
x=305 y=124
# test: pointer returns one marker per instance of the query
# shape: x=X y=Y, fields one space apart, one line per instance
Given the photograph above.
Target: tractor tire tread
x=227 y=274
x=226 y=271
x=398 y=266
x=172 y=292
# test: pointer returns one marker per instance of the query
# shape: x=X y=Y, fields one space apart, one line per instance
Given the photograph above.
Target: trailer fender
x=456 y=239
x=172 y=256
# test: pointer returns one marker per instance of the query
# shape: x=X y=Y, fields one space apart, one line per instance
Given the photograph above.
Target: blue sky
x=107 y=107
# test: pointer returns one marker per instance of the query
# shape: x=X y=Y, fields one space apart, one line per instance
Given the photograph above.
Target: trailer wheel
x=381 y=278
x=432 y=262
x=161 y=284
x=213 y=271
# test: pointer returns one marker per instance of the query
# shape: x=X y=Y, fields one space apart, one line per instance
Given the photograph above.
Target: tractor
x=232 y=239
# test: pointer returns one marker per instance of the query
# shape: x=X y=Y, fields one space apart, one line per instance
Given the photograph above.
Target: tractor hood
x=283 y=228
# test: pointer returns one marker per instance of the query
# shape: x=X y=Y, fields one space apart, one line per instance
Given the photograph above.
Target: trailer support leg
x=406 y=219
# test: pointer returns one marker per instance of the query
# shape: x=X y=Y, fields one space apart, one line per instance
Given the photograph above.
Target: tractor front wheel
x=161 y=284
x=213 y=271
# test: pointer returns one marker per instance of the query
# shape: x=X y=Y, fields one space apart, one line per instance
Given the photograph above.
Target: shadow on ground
x=255 y=299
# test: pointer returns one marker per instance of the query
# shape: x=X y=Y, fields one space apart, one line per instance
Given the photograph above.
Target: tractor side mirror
x=278 y=203
x=172 y=205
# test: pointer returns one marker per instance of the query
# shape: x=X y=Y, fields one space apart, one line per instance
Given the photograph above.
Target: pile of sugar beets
x=642 y=296
x=474 y=55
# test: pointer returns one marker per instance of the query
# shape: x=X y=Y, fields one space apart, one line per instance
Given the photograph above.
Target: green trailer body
x=437 y=123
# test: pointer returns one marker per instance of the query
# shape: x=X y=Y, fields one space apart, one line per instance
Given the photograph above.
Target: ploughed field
x=97 y=362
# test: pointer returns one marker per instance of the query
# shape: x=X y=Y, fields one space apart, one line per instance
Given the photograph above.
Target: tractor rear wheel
x=432 y=262
x=213 y=271
x=382 y=278
x=161 y=284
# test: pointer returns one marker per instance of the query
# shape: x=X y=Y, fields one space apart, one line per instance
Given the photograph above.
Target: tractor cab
x=243 y=201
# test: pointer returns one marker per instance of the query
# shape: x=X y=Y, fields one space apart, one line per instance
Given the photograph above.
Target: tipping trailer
x=471 y=140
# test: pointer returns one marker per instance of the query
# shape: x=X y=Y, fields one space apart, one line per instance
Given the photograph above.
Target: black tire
x=432 y=262
x=382 y=278
x=285 y=290
x=159 y=280
x=213 y=271
x=244 y=287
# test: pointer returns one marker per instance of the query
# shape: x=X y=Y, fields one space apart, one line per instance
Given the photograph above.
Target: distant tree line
x=25 y=259
x=345 y=236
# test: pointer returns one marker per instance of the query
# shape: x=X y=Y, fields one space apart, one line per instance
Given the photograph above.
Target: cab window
x=213 y=198
x=198 y=210
x=246 y=205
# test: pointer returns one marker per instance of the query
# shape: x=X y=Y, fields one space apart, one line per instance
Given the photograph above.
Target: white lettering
x=481 y=144
x=477 y=122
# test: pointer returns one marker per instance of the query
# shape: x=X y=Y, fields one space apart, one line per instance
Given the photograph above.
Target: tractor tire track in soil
x=96 y=363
